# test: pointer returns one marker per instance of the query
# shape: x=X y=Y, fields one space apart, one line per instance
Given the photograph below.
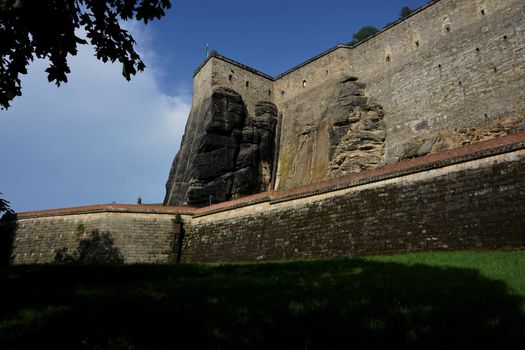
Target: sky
x=100 y=139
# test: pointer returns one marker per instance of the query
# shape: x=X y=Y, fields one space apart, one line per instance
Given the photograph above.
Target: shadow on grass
x=301 y=305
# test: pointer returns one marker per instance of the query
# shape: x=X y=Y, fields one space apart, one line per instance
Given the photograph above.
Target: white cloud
x=96 y=139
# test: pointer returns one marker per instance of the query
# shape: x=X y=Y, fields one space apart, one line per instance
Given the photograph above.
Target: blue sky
x=100 y=139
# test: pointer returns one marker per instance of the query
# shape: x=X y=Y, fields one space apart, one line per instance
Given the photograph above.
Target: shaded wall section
x=97 y=234
x=472 y=197
x=469 y=198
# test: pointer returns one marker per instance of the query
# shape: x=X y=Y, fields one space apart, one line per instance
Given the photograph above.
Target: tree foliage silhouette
x=368 y=31
x=51 y=29
x=8 y=226
x=363 y=34
x=405 y=12
x=4 y=206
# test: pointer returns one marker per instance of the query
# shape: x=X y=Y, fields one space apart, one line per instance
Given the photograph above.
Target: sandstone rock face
x=225 y=153
x=437 y=141
x=342 y=132
x=255 y=158
x=363 y=144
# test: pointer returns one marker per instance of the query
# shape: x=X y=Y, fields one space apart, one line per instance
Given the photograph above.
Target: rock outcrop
x=255 y=158
x=341 y=132
x=225 y=153
x=357 y=133
x=449 y=139
x=362 y=145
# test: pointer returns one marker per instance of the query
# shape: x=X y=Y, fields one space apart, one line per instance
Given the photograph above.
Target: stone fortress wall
x=457 y=200
x=450 y=74
x=219 y=71
x=112 y=233
x=253 y=86
x=303 y=100
x=472 y=197
x=452 y=66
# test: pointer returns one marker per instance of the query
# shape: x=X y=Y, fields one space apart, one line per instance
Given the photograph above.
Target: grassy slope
x=426 y=299
x=504 y=266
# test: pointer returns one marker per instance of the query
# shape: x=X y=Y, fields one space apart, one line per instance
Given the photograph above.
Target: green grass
x=403 y=301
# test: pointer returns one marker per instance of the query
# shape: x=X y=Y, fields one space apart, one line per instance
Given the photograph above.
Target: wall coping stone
x=215 y=54
x=235 y=203
x=100 y=208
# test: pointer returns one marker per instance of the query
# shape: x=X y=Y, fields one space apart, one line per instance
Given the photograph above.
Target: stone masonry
x=464 y=202
x=98 y=234
x=451 y=74
x=472 y=197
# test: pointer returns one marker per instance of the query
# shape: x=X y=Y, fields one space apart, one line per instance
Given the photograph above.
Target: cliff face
x=225 y=153
x=449 y=75
x=342 y=133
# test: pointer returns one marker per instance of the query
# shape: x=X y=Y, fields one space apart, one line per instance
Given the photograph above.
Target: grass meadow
x=430 y=300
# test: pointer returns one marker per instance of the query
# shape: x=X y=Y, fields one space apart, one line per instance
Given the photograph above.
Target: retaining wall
x=468 y=198
x=471 y=197
x=103 y=233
